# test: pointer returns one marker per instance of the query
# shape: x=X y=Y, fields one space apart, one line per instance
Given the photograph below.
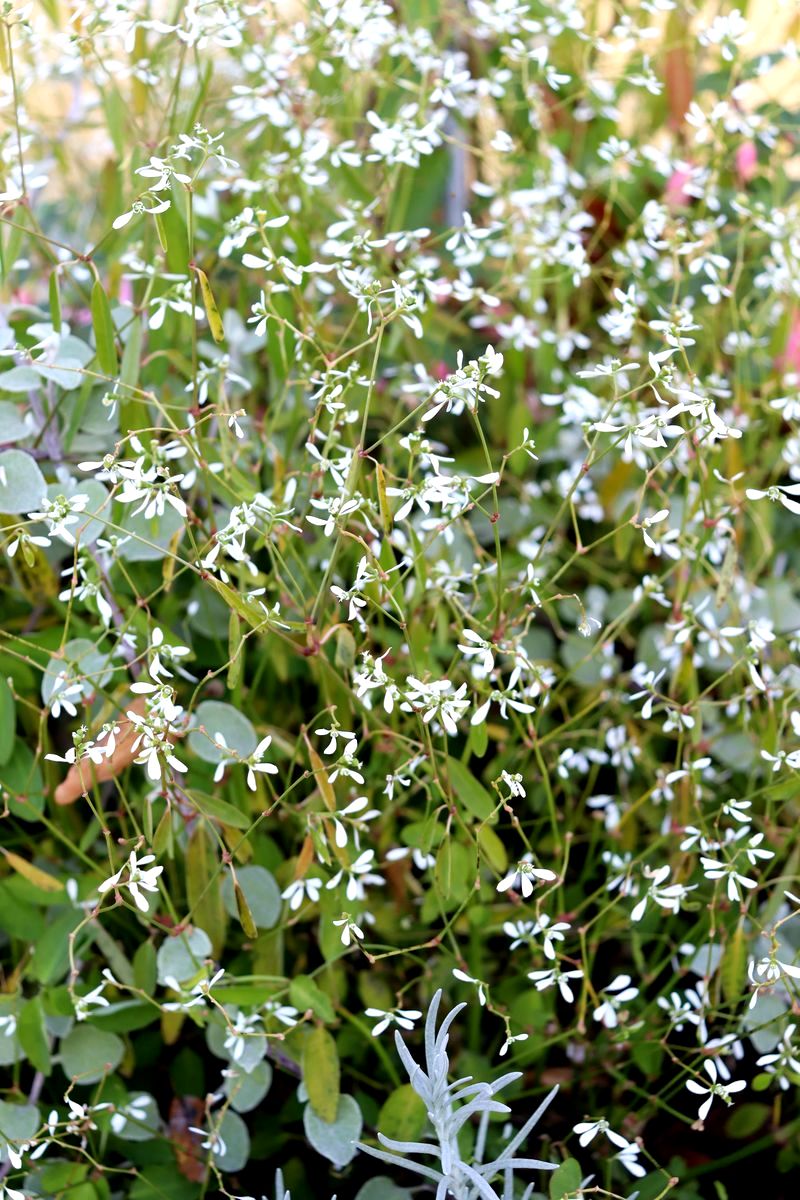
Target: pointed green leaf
x=321 y=1073
x=103 y=331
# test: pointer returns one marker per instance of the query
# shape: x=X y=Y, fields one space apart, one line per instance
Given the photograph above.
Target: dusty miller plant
x=450 y=1106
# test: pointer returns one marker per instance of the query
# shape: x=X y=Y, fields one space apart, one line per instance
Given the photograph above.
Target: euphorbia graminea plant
x=399 y=498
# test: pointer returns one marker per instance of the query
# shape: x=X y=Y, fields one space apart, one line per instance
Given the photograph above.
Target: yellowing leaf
x=321 y=1073
x=210 y=305
x=243 y=909
x=383 y=500
x=39 y=878
x=321 y=776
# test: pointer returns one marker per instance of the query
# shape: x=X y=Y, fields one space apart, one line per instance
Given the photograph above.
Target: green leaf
x=204 y=887
x=403 y=1115
x=55 y=301
x=18 y=919
x=321 y=1072
x=734 y=964
x=133 y=412
x=50 y=960
x=103 y=326
x=380 y=1187
x=125 y=1016
x=493 y=849
x=746 y=1120
x=247 y=1090
x=33 y=1035
x=216 y=717
x=261 y=893
x=12 y=426
x=182 y=957
x=22 y=484
x=88 y=1053
x=453 y=865
x=18 y=1123
x=478 y=739
x=236 y=1140
x=19 y=379
x=304 y=993
x=565 y=1180
x=158 y=1181
x=144 y=967
x=220 y=810
x=335 y=1140
x=8 y=721
x=255 y=617
x=236 y=644
x=468 y=791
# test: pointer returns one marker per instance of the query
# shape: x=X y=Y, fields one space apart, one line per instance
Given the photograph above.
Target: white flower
x=359 y=876
x=349 y=929
x=766 y=971
x=618 y=993
x=514 y=784
x=781 y=494
x=299 y=889
x=135 y=1110
x=212 y=1141
x=137 y=208
x=518 y=1037
x=60 y=513
x=404 y=1018
x=554 y=976
x=715 y=1089
x=519 y=878
x=462 y=975
x=666 y=897
x=628 y=1158
x=588 y=1130
x=736 y=881
x=84 y=1003
x=783 y=1064
x=244 y=1026
x=139 y=878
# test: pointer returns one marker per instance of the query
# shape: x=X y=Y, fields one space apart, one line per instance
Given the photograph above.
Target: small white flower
x=781 y=494
x=617 y=994
x=519 y=878
x=518 y=1037
x=588 y=1130
x=349 y=929
x=628 y=1157
x=715 y=1088
x=465 y=978
x=137 y=208
x=138 y=879
x=301 y=889
x=554 y=976
x=404 y=1018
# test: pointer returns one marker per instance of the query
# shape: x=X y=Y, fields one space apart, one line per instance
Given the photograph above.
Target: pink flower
x=790 y=359
x=746 y=162
x=675 y=192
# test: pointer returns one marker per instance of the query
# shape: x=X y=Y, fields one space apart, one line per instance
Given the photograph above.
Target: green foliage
x=399 y=495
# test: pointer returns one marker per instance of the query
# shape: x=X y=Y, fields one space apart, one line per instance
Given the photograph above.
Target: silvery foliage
x=450 y=1106
x=281 y=1191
